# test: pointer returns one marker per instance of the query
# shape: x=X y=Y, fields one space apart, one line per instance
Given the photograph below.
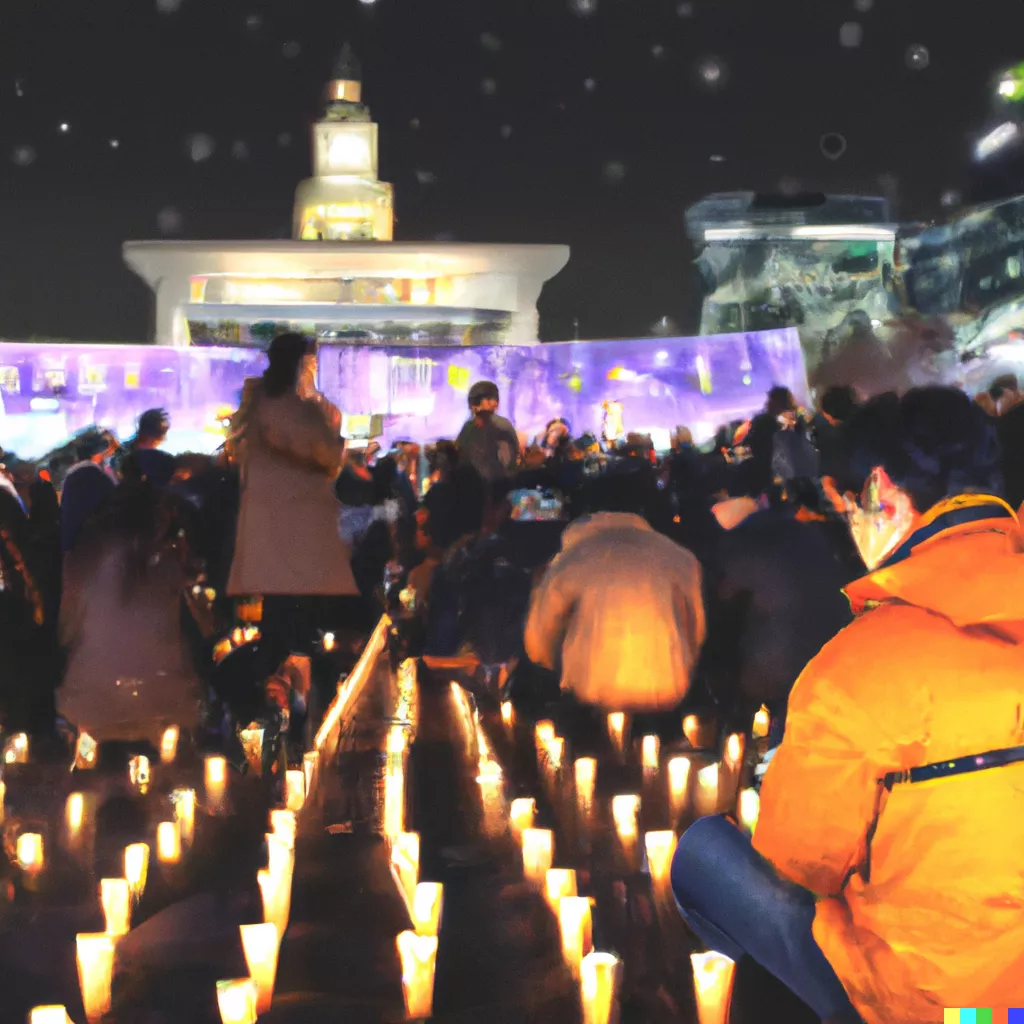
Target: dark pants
x=737 y=904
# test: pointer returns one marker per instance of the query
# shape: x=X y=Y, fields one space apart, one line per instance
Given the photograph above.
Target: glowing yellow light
x=30 y=853
x=418 y=954
x=559 y=882
x=168 y=842
x=733 y=751
x=427 y=904
x=95 y=955
x=617 y=730
x=575 y=927
x=276 y=893
x=284 y=826
x=294 y=789
x=650 y=750
x=600 y=976
x=136 y=867
x=586 y=777
x=74 y=813
x=116 y=899
x=712 y=985
x=749 y=807
x=260 y=946
x=16 y=751
x=405 y=865
x=49 y=1015
x=708 y=780
x=544 y=732
x=394 y=801
x=625 y=811
x=280 y=855
x=329 y=642
x=236 y=1001
x=169 y=744
x=138 y=772
x=678 y=777
x=310 y=763
x=216 y=778
x=691 y=730
x=538 y=852
x=522 y=814
x=762 y=721
x=184 y=801
x=554 y=750
x=660 y=847
x=508 y=713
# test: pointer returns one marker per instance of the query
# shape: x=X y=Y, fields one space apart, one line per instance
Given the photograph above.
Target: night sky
x=589 y=122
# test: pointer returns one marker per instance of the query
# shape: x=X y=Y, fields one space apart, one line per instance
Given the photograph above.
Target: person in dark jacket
x=87 y=484
x=145 y=460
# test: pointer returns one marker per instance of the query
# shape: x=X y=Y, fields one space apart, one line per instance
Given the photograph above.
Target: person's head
x=96 y=447
x=484 y=398
x=780 y=400
x=288 y=356
x=838 y=403
x=630 y=487
x=1006 y=382
x=443 y=459
x=463 y=512
x=908 y=454
x=153 y=427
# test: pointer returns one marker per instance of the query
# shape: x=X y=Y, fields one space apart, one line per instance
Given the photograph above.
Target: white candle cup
x=29 y=852
x=284 y=826
x=660 y=847
x=692 y=731
x=650 y=752
x=275 y=891
x=576 y=929
x=116 y=900
x=169 y=744
x=558 y=882
x=216 y=780
x=418 y=954
x=762 y=723
x=260 y=945
x=678 y=783
x=136 y=868
x=139 y=772
x=733 y=757
x=427 y=906
x=555 y=751
x=617 y=731
x=168 y=842
x=712 y=985
x=625 y=811
x=394 y=801
x=508 y=714
x=405 y=865
x=586 y=778
x=74 y=815
x=708 y=780
x=184 y=802
x=600 y=977
x=748 y=808
x=538 y=852
x=280 y=856
x=95 y=955
x=294 y=789
x=310 y=763
x=236 y=1001
x=48 y=1015
x=543 y=733
x=521 y=815
x=16 y=751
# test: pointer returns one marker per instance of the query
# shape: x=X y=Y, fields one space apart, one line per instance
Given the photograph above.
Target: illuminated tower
x=344 y=201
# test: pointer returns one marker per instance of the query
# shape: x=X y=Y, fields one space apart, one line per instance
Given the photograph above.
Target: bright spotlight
x=997 y=139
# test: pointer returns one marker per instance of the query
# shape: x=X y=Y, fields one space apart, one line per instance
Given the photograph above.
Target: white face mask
x=881 y=521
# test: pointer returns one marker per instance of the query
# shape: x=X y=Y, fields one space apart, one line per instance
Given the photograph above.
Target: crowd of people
x=854 y=568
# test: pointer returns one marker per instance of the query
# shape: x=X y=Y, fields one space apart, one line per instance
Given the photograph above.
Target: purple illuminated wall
x=50 y=391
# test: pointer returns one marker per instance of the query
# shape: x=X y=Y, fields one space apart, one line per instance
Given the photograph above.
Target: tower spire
x=346 y=79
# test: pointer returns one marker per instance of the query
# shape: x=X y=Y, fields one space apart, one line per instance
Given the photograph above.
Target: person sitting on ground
x=487 y=441
x=883 y=882
x=619 y=612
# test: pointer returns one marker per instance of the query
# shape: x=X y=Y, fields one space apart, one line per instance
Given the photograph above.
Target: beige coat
x=287 y=537
x=621 y=610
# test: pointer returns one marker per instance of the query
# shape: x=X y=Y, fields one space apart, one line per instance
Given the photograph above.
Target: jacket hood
x=970 y=574
x=600 y=522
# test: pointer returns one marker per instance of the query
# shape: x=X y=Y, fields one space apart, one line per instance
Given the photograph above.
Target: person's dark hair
x=384 y=475
x=780 y=400
x=462 y=510
x=444 y=458
x=481 y=390
x=628 y=487
x=839 y=402
x=934 y=442
x=153 y=423
x=285 y=357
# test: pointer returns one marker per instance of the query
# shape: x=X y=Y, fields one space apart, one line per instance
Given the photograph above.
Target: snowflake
x=614 y=172
x=717 y=158
x=168 y=6
x=63 y=127
x=832 y=145
x=863 y=6
x=114 y=143
x=584 y=8
x=169 y=221
x=506 y=131
x=284 y=139
x=488 y=86
x=426 y=177
x=917 y=57
x=240 y=149
x=489 y=41
x=685 y=10
x=951 y=197
x=254 y=22
x=657 y=51
x=590 y=84
x=711 y=72
x=200 y=147
x=24 y=156
x=19 y=87
x=851 y=35
x=291 y=49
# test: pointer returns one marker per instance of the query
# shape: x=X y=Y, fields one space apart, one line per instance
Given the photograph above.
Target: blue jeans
x=736 y=903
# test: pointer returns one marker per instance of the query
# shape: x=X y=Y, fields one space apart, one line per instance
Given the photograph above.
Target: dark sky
x=490 y=129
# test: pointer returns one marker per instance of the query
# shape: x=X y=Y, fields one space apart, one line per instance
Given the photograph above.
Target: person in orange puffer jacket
x=885 y=880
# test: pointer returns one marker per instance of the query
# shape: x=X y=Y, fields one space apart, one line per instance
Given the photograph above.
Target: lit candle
x=617 y=730
x=16 y=751
x=586 y=777
x=748 y=809
x=3 y=800
x=74 y=813
x=294 y=789
x=30 y=853
x=538 y=852
x=184 y=801
x=555 y=752
x=275 y=891
x=691 y=730
x=544 y=732
x=707 y=789
x=762 y=722
x=574 y=923
x=48 y=1015
x=138 y=772
x=559 y=882
x=216 y=777
x=678 y=782
x=427 y=904
x=95 y=955
x=733 y=751
x=660 y=847
x=329 y=642
x=168 y=842
x=252 y=746
x=625 y=810
x=283 y=825
x=418 y=954
x=169 y=744
x=600 y=974
x=650 y=749
x=405 y=864
x=260 y=945
x=394 y=800
x=280 y=856
x=712 y=984
x=236 y=1001
x=136 y=867
x=116 y=899
x=522 y=814
x=508 y=713
x=310 y=761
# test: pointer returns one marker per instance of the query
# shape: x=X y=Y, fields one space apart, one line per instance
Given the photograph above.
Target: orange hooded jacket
x=921 y=888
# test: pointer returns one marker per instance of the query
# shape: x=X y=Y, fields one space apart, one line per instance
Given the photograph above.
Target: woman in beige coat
x=287 y=549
